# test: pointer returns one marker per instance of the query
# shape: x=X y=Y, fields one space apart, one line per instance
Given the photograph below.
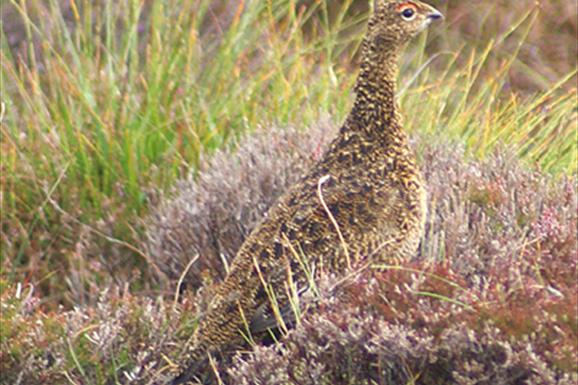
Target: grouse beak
x=432 y=15
x=435 y=15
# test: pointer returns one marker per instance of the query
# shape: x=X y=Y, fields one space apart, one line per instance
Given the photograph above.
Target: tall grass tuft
x=124 y=98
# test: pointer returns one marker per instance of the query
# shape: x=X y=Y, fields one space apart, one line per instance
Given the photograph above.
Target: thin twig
x=420 y=70
x=332 y=218
x=215 y=370
x=181 y=279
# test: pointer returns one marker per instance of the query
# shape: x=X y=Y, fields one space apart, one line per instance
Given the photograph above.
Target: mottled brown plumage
x=367 y=179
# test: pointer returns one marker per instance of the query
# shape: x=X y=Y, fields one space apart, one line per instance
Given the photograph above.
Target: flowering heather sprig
x=122 y=338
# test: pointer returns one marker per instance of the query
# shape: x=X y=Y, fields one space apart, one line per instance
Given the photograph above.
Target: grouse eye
x=408 y=13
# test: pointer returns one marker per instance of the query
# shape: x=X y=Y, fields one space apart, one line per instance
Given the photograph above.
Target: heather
x=491 y=296
x=493 y=284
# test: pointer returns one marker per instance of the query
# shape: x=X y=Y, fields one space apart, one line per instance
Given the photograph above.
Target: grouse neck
x=375 y=109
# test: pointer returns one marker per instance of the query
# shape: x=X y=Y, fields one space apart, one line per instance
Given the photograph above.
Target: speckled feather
x=371 y=185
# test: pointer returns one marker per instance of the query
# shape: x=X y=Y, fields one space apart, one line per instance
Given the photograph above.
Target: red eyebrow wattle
x=409 y=4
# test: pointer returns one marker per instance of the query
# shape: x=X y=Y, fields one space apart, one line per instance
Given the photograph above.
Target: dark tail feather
x=193 y=370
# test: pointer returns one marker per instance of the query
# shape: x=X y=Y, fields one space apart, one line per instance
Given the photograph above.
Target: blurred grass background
x=104 y=103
